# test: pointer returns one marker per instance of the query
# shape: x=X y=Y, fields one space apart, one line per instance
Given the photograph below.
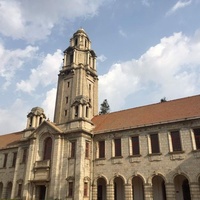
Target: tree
x=105 y=108
x=163 y=100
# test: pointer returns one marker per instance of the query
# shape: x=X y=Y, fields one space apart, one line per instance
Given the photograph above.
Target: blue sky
x=147 y=50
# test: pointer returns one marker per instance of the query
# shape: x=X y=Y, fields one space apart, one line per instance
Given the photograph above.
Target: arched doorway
x=119 y=193
x=101 y=189
x=159 y=191
x=9 y=190
x=137 y=188
x=47 y=148
x=182 y=188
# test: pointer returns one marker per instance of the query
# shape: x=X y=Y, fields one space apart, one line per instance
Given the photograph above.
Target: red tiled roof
x=9 y=139
x=174 y=110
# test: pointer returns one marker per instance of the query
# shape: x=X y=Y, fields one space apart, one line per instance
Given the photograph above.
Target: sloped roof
x=169 y=111
x=10 y=139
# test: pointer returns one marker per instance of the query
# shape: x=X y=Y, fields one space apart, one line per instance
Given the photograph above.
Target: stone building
x=144 y=153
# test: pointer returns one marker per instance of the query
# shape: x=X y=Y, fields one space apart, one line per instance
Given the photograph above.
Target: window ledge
x=177 y=156
x=155 y=157
x=117 y=160
x=100 y=158
x=154 y=154
x=116 y=157
x=176 y=152
x=135 y=156
x=196 y=150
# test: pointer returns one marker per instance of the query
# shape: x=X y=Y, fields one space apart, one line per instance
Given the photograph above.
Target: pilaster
x=110 y=192
x=195 y=191
x=170 y=191
x=148 y=192
x=128 y=192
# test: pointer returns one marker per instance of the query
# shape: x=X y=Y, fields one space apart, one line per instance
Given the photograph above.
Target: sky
x=147 y=50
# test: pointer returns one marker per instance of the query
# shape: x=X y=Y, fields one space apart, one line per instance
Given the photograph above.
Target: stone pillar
x=170 y=191
x=195 y=191
x=4 y=192
x=110 y=192
x=34 y=121
x=148 y=192
x=94 y=63
x=80 y=110
x=128 y=192
x=94 y=192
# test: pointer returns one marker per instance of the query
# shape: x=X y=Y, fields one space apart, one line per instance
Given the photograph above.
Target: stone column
x=110 y=192
x=4 y=192
x=170 y=191
x=148 y=192
x=94 y=192
x=128 y=192
x=194 y=191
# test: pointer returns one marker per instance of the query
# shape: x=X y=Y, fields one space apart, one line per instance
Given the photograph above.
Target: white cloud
x=101 y=58
x=20 y=20
x=13 y=60
x=13 y=118
x=122 y=33
x=146 y=3
x=49 y=103
x=44 y=74
x=180 y=4
x=170 y=68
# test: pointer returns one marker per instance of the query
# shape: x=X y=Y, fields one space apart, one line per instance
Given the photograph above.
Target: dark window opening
x=19 y=192
x=197 y=138
x=24 y=157
x=14 y=159
x=31 y=121
x=71 y=187
x=67 y=100
x=40 y=120
x=71 y=58
x=5 y=160
x=186 y=190
x=176 y=141
x=102 y=149
x=76 y=42
x=76 y=111
x=87 y=111
x=85 y=189
x=65 y=112
x=118 y=151
x=87 y=149
x=154 y=143
x=42 y=192
x=135 y=145
x=73 y=149
x=47 y=149
x=68 y=84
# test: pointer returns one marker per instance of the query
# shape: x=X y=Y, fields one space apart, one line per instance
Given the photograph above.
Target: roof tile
x=174 y=110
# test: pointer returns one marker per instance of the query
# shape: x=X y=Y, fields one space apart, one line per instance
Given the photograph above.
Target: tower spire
x=77 y=90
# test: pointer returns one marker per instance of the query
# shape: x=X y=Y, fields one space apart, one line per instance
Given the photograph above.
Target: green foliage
x=105 y=108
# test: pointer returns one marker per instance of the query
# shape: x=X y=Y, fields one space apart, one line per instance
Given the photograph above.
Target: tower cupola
x=35 y=117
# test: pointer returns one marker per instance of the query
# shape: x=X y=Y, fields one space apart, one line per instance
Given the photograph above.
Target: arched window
x=47 y=149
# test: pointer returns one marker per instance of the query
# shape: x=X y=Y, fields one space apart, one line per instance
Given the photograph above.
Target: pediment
x=46 y=127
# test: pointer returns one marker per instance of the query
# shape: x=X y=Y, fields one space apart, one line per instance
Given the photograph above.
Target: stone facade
x=75 y=158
